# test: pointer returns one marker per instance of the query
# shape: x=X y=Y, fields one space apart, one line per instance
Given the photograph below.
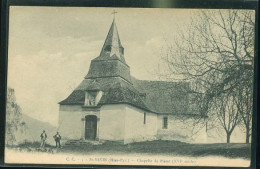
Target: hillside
x=35 y=127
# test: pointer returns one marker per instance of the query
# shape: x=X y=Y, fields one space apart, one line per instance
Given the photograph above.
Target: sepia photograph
x=130 y=86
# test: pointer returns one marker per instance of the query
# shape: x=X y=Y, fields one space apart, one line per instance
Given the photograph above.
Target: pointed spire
x=111 y=61
x=114 y=13
x=112 y=47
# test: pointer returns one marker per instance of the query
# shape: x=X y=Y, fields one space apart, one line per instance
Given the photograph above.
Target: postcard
x=130 y=86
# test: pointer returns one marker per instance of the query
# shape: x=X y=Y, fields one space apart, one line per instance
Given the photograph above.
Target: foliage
x=13 y=117
x=216 y=56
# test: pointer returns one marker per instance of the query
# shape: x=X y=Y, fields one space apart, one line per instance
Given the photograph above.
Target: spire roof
x=111 y=61
x=112 y=48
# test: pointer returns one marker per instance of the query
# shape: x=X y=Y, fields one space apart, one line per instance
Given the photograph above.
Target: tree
x=13 y=117
x=227 y=113
x=244 y=102
x=216 y=56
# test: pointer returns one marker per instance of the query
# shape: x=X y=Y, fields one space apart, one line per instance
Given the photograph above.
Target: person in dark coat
x=57 y=139
x=43 y=138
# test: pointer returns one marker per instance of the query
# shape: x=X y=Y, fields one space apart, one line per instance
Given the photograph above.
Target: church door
x=90 y=127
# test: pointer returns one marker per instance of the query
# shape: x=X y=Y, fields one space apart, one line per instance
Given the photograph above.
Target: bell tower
x=112 y=47
x=111 y=61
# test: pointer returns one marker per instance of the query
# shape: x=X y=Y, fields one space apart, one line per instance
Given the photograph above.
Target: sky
x=50 y=49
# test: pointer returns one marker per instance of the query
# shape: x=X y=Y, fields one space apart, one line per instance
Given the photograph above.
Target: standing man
x=43 y=139
x=57 y=139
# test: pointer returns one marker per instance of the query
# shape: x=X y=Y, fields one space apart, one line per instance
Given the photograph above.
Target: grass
x=34 y=144
x=160 y=147
x=231 y=150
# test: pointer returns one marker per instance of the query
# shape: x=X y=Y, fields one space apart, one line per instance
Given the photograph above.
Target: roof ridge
x=163 y=81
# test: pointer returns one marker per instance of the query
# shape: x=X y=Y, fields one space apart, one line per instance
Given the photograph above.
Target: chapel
x=110 y=104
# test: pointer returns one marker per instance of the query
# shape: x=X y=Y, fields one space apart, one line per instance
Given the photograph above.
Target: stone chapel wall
x=112 y=122
x=181 y=129
x=70 y=121
x=136 y=129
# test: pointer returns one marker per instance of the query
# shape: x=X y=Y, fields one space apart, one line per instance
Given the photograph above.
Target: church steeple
x=112 y=48
x=111 y=62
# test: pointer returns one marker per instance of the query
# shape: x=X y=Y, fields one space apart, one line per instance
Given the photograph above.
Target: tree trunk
x=228 y=137
x=247 y=135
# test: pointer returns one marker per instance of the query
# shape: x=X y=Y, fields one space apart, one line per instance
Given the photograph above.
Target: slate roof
x=111 y=61
x=77 y=97
x=110 y=74
x=164 y=97
x=153 y=96
x=108 y=68
x=115 y=91
x=112 y=47
x=124 y=96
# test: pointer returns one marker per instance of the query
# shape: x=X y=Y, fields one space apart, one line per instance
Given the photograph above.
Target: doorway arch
x=90 y=127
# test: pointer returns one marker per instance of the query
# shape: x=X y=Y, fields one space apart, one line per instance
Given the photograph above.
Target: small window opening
x=108 y=48
x=144 y=118
x=90 y=98
x=121 y=49
x=165 y=122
